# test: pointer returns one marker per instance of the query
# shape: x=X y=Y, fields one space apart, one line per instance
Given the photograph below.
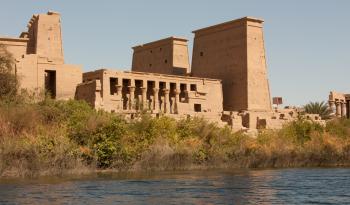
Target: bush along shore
x=62 y=137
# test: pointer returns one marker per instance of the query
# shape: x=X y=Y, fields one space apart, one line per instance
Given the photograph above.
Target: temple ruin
x=38 y=54
x=131 y=92
x=226 y=83
x=166 y=56
x=339 y=104
x=234 y=52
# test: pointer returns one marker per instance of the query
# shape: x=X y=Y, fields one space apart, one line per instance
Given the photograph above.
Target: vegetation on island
x=57 y=137
x=50 y=137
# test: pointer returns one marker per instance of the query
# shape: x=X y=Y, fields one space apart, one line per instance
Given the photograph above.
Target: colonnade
x=339 y=107
x=157 y=96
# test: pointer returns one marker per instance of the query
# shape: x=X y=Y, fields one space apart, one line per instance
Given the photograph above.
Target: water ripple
x=279 y=186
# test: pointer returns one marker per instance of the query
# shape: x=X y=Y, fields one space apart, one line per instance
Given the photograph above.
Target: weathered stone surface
x=131 y=92
x=39 y=58
x=234 y=52
x=339 y=104
x=227 y=84
x=166 y=56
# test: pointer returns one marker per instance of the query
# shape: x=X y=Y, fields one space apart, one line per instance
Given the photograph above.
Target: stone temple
x=39 y=57
x=226 y=83
x=339 y=104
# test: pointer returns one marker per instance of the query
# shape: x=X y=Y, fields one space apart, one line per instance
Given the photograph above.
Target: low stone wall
x=89 y=92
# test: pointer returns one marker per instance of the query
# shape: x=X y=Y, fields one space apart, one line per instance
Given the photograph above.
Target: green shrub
x=52 y=136
x=339 y=127
x=106 y=142
x=201 y=156
x=143 y=133
x=148 y=128
x=299 y=131
x=77 y=116
x=186 y=127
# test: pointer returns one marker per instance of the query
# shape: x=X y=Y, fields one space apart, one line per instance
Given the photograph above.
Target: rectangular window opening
x=197 y=107
x=113 y=82
x=193 y=87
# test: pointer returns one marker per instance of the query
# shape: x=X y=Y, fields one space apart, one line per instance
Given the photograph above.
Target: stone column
x=144 y=98
x=132 y=97
x=120 y=96
x=119 y=89
x=338 y=109
x=166 y=101
x=332 y=106
x=156 y=100
x=343 y=109
x=187 y=97
x=177 y=101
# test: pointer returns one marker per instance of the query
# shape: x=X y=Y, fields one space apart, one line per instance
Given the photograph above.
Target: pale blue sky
x=307 y=42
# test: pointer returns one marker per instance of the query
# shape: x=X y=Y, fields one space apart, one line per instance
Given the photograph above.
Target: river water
x=277 y=186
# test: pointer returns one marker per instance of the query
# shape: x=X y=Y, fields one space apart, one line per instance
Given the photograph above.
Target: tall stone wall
x=234 y=52
x=38 y=53
x=166 y=56
x=49 y=38
x=259 y=98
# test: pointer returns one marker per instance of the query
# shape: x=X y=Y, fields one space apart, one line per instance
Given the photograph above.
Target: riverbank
x=68 y=137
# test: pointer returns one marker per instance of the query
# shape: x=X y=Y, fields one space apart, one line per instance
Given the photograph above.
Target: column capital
x=132 y=88
x=119 y=89
x=166 y=91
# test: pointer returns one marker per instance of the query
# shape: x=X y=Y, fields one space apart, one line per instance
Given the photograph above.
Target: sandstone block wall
x=39 y=58
x=90 y=92
x=228 y=83
x=68 y=77
x=131 y=92
x=16 y=46
x=166 y=56
x=234 y=52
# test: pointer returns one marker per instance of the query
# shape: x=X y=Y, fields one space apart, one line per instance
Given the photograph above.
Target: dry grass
x=57 y=138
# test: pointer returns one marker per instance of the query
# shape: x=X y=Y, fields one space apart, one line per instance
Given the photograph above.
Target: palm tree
x=320 y=108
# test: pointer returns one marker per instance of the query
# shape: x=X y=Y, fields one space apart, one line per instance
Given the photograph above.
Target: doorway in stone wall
x=50 y=82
